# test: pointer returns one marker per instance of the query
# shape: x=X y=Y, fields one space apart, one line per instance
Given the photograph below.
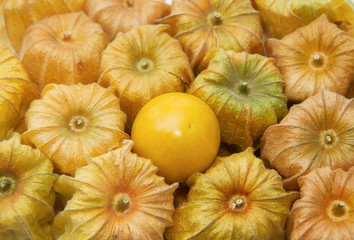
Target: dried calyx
x=217 y=18
x=78 y=124
x=67 y=36
x=7 y=184
x=339 y=209
x=144 y=65
x=121 y=203
x=318 y=61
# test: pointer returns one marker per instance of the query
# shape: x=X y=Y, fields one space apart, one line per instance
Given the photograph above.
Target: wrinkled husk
x=123 y=15
x=244 y=112
x=317 y=215
x=16 y=91
x=211 y=211
x=73 y=122
x=92 y=213
x=282 y=17
x=63 y=49
x=167 y=69
x=20 y=14
x=236 y=26
x=318 y=132
x=303 y=74
x=26 y=209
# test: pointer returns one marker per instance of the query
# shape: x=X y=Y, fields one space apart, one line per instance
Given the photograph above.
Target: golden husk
x=91 y=211
x=16 y=91
x=73 y=122
x=211 y=211
x=312 y=215
x=167 y=69
x=319 y=132
x=63 y=49
x=26 y=210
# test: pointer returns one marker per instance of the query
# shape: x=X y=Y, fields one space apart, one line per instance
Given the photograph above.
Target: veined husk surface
x=144 y=63
x=246 y=93
x=63 y=49
x=16 y=91
x=73 y=122
x=237 y=198
x=20 y=14
x=118 y=195
x=201 y=25
x=325 y=209
x=317 y=56
x=123 y=15
x=282 y=17
x=319 y=132
x=26 y=191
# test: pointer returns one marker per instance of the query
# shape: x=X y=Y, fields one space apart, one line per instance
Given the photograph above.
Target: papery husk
x=73 y=122
x=312 y=215
x=123 y=15
x=63 y=49
x=211 y=211
x=20 y=14
x=282 y=17
x=195 y=25
x=4 y=37
x=243 y=114
x=319 y=132
x=26 y=209
x=16 y=91
x=92 y=212
x=296 y=59
x=168 y=69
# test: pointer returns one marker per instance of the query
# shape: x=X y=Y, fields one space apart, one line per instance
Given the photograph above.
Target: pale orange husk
x=325 y=209
x=319 y=132
x=26 y=192
x=237 y=198
x=16 y=91
x=123 y=15
x=116 y=196
x=63 y=48
x=317 y=56
x=20 y=14
x=201 y=25
x=73 y=122
x=144 y=63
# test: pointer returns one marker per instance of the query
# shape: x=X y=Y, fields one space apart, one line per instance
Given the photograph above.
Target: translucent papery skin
x=211 y=211
x=144 y=63
x=63 y=49
x=317 y=56
x=73 y=122
x=91 y=212
x=27 y=200
x=201 y=25
x=319 y=132
x=16 y=91
x=123 y=15
x=282 y=17
x=314 y=215
x=245 y=92
x=20 y=14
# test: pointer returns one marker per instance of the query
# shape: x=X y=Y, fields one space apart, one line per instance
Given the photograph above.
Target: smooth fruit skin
x=179 y=133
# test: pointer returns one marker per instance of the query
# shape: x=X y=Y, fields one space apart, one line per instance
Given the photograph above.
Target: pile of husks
x=278 y=74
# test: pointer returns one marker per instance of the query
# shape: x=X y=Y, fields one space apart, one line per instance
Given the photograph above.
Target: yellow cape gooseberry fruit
x=20 y=14
x=325 y=209
x=72 y=122
x=116 y=196
x=246 y=93
x=122 y=15
x=319 y=132
x=26 y=191
x=16 y=91
x=179 y=133
x=63 y=49
x=282 y=17
x=201 y=25
x=144 y=63
x=317 y=56
x=237 y=198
